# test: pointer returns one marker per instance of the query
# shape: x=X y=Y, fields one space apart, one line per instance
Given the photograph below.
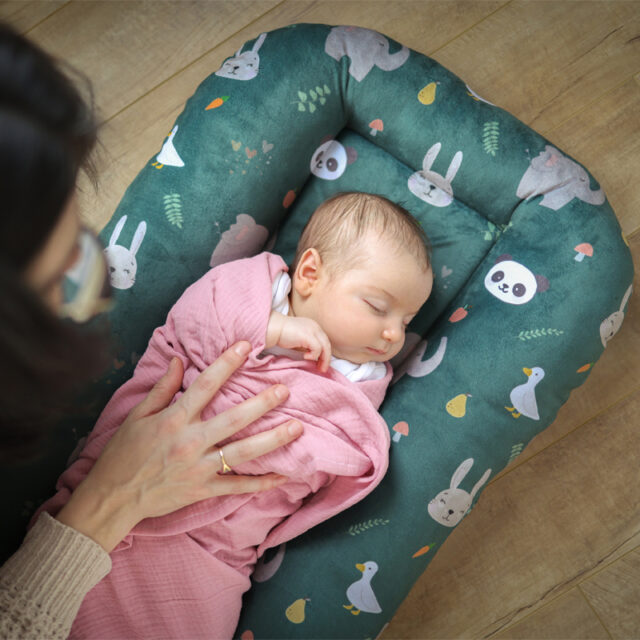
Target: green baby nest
x=532 y=278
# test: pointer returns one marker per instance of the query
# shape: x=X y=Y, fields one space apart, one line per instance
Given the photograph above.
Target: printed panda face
x=511 y=282
x=329 y=160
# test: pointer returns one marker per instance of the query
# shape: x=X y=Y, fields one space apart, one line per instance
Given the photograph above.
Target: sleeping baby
x=360 y=274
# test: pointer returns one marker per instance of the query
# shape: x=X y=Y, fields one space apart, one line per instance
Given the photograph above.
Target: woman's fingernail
x=294 y=428
x=242 y=348
x=281 y=392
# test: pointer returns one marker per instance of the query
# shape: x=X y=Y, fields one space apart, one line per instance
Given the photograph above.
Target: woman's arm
x=42 y=585
x=162 y=458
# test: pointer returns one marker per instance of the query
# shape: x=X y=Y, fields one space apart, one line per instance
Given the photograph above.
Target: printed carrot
x=421 y=552
x=459 y=313
x=218 y=102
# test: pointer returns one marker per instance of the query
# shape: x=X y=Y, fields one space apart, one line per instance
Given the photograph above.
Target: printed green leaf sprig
x=538 y=333
x=516 y=450
x=361 y=527
x=317 y=95
x=490 y=136
x=173 y=209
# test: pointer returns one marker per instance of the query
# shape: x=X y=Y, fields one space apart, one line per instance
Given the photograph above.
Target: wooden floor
x=565 y=563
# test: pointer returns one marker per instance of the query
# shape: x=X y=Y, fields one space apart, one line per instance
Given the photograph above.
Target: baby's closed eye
x=376 y=307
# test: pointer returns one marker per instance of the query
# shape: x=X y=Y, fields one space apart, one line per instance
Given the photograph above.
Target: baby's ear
x=307 y=273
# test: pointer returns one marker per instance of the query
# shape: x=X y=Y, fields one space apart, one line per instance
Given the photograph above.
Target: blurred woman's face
x=46 y=272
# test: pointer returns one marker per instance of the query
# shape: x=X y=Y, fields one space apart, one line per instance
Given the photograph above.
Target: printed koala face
x=329 y=160
x=511 y=282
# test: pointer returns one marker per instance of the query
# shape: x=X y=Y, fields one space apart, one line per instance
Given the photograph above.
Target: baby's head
x=362 y=271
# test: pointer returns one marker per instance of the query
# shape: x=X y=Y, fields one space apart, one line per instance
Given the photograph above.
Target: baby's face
x=366 y=310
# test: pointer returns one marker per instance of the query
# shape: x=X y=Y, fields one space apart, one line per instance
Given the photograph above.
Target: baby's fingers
x=325 y=356
x=314 y=349
x=312 y=353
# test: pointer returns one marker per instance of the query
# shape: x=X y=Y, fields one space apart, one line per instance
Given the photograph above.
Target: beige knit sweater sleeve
x=44 y=582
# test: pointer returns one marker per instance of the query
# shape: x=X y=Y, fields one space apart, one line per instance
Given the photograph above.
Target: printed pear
x=457 y=407
x=428 y=94
x=295 y=611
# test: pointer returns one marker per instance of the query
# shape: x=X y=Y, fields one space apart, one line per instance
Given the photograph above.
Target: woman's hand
x=164 y=457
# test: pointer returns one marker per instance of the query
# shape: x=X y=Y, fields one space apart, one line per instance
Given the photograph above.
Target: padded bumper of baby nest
x=532 y=278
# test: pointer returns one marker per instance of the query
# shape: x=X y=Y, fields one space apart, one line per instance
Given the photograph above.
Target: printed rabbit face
x=243 y=66
x=122 y=261
x=122 y=267
x=432 y=187
x=451 y=505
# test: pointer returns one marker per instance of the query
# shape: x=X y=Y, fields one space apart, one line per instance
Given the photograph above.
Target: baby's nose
x=392 y=333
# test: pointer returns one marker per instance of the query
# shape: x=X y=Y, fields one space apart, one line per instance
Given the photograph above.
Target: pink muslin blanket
x=182 y=575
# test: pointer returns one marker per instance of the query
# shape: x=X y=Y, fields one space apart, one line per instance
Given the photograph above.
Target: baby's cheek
x=395 y=350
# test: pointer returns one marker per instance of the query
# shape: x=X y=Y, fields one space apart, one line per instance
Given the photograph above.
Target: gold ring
x=225 y=466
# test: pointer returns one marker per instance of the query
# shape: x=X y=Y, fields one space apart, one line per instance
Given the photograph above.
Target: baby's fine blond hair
x=339 y=224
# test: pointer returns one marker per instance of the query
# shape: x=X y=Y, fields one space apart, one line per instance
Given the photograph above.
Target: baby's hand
x=303 y=334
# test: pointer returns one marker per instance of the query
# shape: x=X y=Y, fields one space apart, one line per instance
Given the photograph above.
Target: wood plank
x=614 y=594
x=138 y=132
x=605 y=136
x=549 y=524
x=544 y=61
x=569 y=617
x=128 y=48
x=615 y=375
x=25 y=15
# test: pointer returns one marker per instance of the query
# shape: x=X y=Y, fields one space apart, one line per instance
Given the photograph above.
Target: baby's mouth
x=376 y=351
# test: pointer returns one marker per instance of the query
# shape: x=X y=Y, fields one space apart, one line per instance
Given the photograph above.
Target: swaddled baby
x=360 y=274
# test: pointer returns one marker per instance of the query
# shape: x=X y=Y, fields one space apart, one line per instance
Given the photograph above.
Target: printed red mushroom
x=376 y=125
x=582 y=250
x=401 y=429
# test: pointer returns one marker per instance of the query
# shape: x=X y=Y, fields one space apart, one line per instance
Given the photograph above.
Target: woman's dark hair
x=47 y=133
